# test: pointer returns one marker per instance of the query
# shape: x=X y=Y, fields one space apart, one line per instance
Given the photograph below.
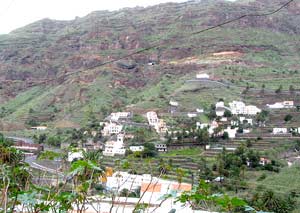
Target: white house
x=220 y=108
x=75 y=155
x=152 y=118
x=137 y=148
x=240 y=108
x=220 y=104
x=152 y=188
x=115 y=147
x=159 y=125
x=237 y=107
x=264 y=161
x=161 y=147
x=111 y=128
x=288 y=104
x=199 y=110
x=42 y=128
x=210 y=127
x=223 y=119
x=202 y=76
x=123 y=180
x=231 y=132
x=246 y=131
x=277 y=105
x=251 y=110
x=192 y=115
x=281 y=105
x=174 y=103
x=200 y=125
x=220 y=112
x=247 y=120
x=280 y=130
x=115 y=116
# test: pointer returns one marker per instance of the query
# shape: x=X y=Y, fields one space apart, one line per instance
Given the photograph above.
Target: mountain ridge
x=52 y=49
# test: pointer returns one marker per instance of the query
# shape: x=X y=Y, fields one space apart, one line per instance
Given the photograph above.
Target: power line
x=198 y=32
x=159 y=43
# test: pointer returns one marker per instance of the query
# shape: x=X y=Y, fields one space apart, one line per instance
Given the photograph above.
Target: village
x=232 y=127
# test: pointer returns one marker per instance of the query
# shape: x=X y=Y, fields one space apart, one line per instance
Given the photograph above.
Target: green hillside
x=253 y=52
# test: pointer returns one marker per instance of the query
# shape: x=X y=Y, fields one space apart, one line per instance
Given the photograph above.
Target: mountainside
x=41 y=64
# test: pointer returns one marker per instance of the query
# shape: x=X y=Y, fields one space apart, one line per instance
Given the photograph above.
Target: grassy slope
x=269 y=58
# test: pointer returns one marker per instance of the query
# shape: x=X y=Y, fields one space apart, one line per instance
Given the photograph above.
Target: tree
x=288 y=118
x=203 y=199
x=297 y=145
x=269 y=201
x=32 y=122
x=149 y=150
x=202 y=136
x=262 y=91
x=42 y=138
x=54 y=141
x=291 y=89
x=278 y=90
x=227 y=113
x=225 y=136
x=262 y=116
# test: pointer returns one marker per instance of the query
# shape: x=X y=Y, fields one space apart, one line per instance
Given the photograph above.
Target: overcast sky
x=18 y=13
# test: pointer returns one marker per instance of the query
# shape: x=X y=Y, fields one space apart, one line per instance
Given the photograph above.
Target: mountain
x=56 y=71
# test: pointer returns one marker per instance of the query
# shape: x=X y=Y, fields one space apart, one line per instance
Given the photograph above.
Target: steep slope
x=265 y=51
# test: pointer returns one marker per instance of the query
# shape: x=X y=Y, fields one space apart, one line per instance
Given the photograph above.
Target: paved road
x=134 y=124
x=27 y=140
x=31 y=160
x=228 y=84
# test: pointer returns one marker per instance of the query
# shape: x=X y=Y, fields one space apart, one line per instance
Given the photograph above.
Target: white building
x=277 y=105
x=152 y=188
x=111 y=128
x=159 y=125
x=115 y=116
x=223 y=119
x=202 y=76
x=280 y=130
x=231 y=132
x=174 y=103
x=247 y=120
x=240 y=108
x=237 y=107
x=42 y=128
x=192 y=115
x=200 y=125
x=123 y=180
x=251 y=110
x=137 y=148
x=75 y=155
x=246 y=131
x=264 y=161
x=220 y=112
x=161 y=147
x=199 y=110
x=210 y=127
x=288 y=104
x=115 y=147
x=281 y=105
x=152 y=118
x=220 y=104
x=220 y=108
